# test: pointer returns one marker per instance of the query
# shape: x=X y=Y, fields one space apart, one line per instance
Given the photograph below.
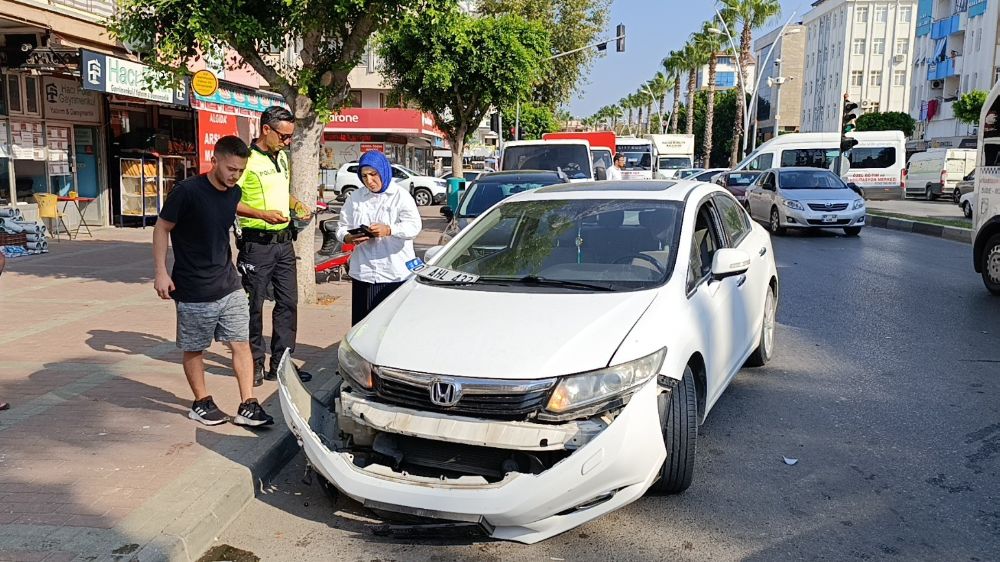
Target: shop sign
x=211 y=128
x=67 y=101
x=369 y=146
x=383 y=120
x=204 y=83
x=237 y=101
x=113 y=75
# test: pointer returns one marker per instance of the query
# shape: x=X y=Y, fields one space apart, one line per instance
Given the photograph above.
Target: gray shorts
x=227 y=320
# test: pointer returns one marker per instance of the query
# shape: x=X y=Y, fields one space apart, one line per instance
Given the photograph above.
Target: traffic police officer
x=266 y=255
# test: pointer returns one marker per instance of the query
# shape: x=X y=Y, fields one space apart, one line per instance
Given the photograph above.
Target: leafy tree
x=968 y=107
x=694 y=58
x=536 y=120
x=660 y=86
x=673 y=64
x=327 y=37
x=725 y=112
x=572 y=24
x=889 y=121
x=710 y=43
x=459 y=66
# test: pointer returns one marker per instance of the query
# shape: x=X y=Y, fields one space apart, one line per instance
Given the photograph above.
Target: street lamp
x=659 y=113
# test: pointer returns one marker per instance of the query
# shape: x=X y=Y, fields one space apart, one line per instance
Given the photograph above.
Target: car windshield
x=809 y=179
x=573 y=159
x=638 y=160
x=613 y=244
x=674 y=163
x=407 y=170
x=487 y=192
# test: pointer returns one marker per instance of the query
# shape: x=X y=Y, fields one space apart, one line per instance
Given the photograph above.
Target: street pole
x=517 y=121
x=658 y=112
x=756 y=89
x=777 y=100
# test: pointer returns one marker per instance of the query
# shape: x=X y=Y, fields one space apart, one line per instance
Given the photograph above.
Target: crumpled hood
x=481 y=333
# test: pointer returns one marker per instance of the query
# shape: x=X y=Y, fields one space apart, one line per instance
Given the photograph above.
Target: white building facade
x=726 y=74
x=956 y=52
x=862 y=48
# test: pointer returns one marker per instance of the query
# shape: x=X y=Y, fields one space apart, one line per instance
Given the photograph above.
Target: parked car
x=489 y=190
x=737 y=182
x=685 y=173
x=967 y=185
x=968 y=204
x=426 y=190
x=805 y=198
x=936 y=172
x=708 y=175
x=469 y=175
x=603 y=331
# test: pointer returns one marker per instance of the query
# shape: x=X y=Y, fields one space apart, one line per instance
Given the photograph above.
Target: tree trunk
x=662 y=128
x=677 y=104
x=304 y=161
x=638 y=122
x=630 y=115
x=710 y=111
x=745 y=38
x=457 y=152
x=690 y=112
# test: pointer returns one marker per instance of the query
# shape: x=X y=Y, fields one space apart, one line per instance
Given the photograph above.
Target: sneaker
x=252 y=414
x=206 y=412
x=258 y=374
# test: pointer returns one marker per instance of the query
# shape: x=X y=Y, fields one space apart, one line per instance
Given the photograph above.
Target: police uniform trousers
x=267 y=258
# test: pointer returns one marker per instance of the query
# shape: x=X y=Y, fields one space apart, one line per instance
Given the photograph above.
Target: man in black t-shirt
x=210 y=299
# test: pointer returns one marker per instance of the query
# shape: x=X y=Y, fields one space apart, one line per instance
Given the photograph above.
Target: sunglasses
x=281 y=136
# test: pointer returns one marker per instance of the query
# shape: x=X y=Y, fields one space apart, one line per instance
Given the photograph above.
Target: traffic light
x=495 y=122
x=846 y=142
x=620 y=34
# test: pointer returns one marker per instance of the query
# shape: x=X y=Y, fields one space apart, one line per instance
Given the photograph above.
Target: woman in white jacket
x=381 y=222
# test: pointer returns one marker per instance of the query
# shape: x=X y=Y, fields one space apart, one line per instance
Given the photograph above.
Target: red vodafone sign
x=379 y=120
x=211 y=128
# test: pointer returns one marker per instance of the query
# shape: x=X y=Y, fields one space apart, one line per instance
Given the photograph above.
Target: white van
x=936 y=172
x=986 y=211
x=877 y=162
x=572 y=157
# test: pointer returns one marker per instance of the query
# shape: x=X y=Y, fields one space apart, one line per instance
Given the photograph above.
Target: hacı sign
x=66 y=100
x=103 y=73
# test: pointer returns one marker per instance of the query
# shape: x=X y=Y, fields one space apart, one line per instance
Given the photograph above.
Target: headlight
x=578 y=391
x=353 y=366
x=858 y=204
x=794 y=205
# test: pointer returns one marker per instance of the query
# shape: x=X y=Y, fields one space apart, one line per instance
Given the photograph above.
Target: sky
x=653 y=28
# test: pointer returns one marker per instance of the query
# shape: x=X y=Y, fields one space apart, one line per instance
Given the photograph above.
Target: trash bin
x=455 y=188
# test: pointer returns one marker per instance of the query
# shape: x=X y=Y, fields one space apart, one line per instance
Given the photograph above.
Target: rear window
x=873 y=157
x=483 y=194
x=572 y=159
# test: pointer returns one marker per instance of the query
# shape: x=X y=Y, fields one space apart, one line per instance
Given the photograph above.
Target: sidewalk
x=940 y=219
x=98 y=460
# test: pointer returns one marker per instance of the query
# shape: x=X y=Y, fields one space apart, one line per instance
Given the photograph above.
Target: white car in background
x=601 y=322
x=426 y=190
x=968 y=204
x=805 y=198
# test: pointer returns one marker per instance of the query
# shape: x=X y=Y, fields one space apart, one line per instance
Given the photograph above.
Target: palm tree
x=660 y=85
x=749 y=15
x=711 y=44
x=694 y=58
x=640 y=101
x=615 y=113
x=626 y=103
x=674 y=65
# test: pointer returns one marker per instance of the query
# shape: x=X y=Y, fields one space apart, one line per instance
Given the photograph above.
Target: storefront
x=151 y=135
x=406 y=136
x=231 y=110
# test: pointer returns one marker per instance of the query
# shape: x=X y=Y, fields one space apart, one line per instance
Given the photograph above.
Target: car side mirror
x=856 y=189
x=729 y=262
x=447 y=213
x=967 y=178
x=431 y=252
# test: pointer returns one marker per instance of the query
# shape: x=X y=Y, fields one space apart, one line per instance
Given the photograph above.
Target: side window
x=734 y=219
x=398 y=174
x=705 y=242
x=352 y=169
x=762 y=162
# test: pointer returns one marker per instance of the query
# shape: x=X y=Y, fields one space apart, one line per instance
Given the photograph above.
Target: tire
x=765 y=346
x=967 y=209
x=422 y=197
x=990 y=265
x=346 y=192
x=852 y=230
x=957 y=195
x=679 y=423
x=930 y=194
x=774 y=224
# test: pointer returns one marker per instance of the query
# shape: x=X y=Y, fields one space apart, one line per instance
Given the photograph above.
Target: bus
x=638 y=157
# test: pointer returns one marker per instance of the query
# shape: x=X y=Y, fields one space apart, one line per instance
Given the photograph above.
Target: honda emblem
x=445 y=393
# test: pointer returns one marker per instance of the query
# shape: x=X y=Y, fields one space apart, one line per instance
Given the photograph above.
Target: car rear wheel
x=679 y=422
x=990 y=265
x=775 y=223
x=956 y=195
x=852 y=230
x=765 y=347
x=967 y=209
x=422 y=197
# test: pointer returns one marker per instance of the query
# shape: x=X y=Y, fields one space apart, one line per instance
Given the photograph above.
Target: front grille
x=841 y=222
x=485 y=398
x=822 y=207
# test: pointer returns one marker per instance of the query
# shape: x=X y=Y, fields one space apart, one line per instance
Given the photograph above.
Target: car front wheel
x=775 y=223
x=967 y=209
x=679 y=422
x=422 y=197
x=765 y=346
x=991 y=264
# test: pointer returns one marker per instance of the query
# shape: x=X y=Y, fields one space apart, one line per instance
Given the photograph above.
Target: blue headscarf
x=376 y=160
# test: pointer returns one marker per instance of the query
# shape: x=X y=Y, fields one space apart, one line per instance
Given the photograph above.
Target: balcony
x=948 y=26
x=90 y=10
x=944 y=69
x=924 y=26
x=977 y=8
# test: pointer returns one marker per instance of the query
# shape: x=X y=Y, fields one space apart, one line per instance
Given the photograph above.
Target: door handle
x=741 y=280
x=763 y=251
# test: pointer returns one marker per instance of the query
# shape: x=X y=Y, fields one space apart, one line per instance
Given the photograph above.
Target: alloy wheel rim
x=775 y=221
x=422 y=199
x=993 y=265
x=769 y=324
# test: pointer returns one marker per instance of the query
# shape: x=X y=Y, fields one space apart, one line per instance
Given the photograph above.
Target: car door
x=711 y=300
x=748 y=301
x=759 y=205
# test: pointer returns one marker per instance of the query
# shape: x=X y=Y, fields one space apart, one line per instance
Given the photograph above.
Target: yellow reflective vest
x=265 y=187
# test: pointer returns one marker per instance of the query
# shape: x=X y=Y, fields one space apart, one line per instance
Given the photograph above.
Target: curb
x=953 y=233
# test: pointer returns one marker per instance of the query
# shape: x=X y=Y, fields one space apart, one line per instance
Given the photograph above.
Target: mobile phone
x=362 y=230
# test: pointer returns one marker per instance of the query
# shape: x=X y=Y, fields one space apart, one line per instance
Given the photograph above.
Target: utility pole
x=846 y=142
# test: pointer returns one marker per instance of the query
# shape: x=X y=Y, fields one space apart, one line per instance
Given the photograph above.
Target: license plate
x=418 y=267
x=829 y=218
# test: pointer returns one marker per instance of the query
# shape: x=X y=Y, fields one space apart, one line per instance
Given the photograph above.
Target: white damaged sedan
x=552 y=363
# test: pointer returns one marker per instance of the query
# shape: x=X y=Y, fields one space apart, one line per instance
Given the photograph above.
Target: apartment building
x=955 y=53
x=862 y=48
x=780 y=58
x=726 y=76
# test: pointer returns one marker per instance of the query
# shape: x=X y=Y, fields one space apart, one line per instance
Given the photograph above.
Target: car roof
x=518 y=173
x=666 y=190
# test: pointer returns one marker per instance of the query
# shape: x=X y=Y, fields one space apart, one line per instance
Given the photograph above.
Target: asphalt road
x=884 y=388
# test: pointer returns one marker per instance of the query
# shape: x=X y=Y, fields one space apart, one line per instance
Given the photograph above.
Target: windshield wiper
x=544 y=281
